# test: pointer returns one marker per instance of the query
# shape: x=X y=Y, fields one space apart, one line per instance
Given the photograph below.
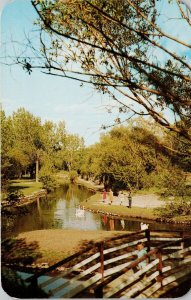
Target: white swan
x=123 y=223
x=144 y=226
x=80 y=212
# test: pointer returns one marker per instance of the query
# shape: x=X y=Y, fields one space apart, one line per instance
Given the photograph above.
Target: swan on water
x=144 y=226
x=80 y=212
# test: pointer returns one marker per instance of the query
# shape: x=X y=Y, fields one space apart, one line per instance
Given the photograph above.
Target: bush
x=14 y=196
x=48 y=181
x=47 y=178
x=175 y=208
x=73 y=175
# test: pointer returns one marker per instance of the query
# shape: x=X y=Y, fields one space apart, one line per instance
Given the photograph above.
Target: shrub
x=175 y=208
x=14 y=196
x=47 y=178
x=73 y=175
x=48 y=181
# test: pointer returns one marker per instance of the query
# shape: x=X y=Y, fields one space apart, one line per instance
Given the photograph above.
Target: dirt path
x=144 y=201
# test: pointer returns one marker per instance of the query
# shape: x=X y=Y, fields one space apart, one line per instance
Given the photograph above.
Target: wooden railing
x=105 y=263
x=99 y=245
x=158 y=261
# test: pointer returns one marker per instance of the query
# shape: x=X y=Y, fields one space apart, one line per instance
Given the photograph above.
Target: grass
x=90 y=185
x=123 y=211
x=93 y=204
x=27 y=186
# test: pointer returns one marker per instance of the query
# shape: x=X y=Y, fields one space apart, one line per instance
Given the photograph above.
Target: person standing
x=130 y=199
x=104 y=195
x=111 y=196
x=120 y=197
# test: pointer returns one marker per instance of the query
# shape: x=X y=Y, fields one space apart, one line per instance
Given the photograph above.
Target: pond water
x=58 y=210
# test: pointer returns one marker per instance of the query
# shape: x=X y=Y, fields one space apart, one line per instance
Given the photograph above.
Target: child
x=141 y=252
x=120 y=196
x=111 y=196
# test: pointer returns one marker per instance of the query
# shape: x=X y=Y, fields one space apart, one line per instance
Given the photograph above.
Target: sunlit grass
x=27 y=186
x=134 y=212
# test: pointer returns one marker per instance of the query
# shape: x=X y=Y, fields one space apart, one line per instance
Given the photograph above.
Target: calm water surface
x=58 y=210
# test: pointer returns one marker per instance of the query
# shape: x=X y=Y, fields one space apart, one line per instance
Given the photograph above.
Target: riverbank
x=52 y=245
x=43 y=248
x=143 y=206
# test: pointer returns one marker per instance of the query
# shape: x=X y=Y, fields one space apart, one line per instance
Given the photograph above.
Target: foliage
x=123 y=49
x=174 y=183
x=14 y=195
x=30 y=145
x=73 y=175
x=47 y=178
x=127 y=157
x=175 y=208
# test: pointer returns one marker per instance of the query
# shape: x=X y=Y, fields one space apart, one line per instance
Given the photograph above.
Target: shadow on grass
x=17 y=188
x=17 y=251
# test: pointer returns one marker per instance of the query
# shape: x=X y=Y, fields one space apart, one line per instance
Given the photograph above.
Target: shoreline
x=53 y=245
x=141 y=211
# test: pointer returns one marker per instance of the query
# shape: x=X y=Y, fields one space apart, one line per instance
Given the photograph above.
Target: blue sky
x=50 y=98
x=54 y=98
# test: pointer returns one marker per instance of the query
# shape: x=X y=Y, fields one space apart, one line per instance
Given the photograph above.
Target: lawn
x=26 y=186
x=94 y=204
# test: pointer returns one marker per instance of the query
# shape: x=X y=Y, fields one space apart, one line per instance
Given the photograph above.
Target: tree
x=71 y=151
x=123 y=49
x=127 y=157
x=27 y=132
x=6 y=144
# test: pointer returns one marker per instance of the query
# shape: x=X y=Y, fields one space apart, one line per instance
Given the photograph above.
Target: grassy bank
x=46 y=247
x=93 y=204
x=26 y=186
x=89 y=184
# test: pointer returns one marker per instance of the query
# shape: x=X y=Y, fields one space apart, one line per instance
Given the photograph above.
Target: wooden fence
x=110 y=268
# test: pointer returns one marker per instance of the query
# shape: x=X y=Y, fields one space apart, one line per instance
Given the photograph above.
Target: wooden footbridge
x=109 y=269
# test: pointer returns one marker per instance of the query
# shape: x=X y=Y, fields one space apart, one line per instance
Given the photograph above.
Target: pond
x=58 y=210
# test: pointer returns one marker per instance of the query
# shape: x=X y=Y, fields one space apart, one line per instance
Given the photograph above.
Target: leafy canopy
x=124 y=50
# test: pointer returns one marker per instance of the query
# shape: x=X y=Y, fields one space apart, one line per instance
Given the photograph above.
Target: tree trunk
x=37 y=169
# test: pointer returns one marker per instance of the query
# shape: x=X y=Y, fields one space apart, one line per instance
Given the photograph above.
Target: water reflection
x=58 y=210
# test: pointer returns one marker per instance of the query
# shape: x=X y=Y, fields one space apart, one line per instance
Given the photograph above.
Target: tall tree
x=27 y=131
x=123 y=49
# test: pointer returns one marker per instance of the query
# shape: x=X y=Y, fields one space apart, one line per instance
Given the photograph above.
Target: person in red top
x=104 y=195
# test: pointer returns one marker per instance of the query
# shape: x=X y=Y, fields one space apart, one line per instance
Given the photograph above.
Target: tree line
x=37 y=150
x=138 y=155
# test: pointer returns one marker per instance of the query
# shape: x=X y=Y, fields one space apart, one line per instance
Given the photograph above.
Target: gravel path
x=144 y=201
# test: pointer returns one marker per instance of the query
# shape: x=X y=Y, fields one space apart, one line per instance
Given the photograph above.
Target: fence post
x=159 y=266
x=98 y=291
x=34 y=283
x=148 y=237
x=182 y=236
x=101 y=248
